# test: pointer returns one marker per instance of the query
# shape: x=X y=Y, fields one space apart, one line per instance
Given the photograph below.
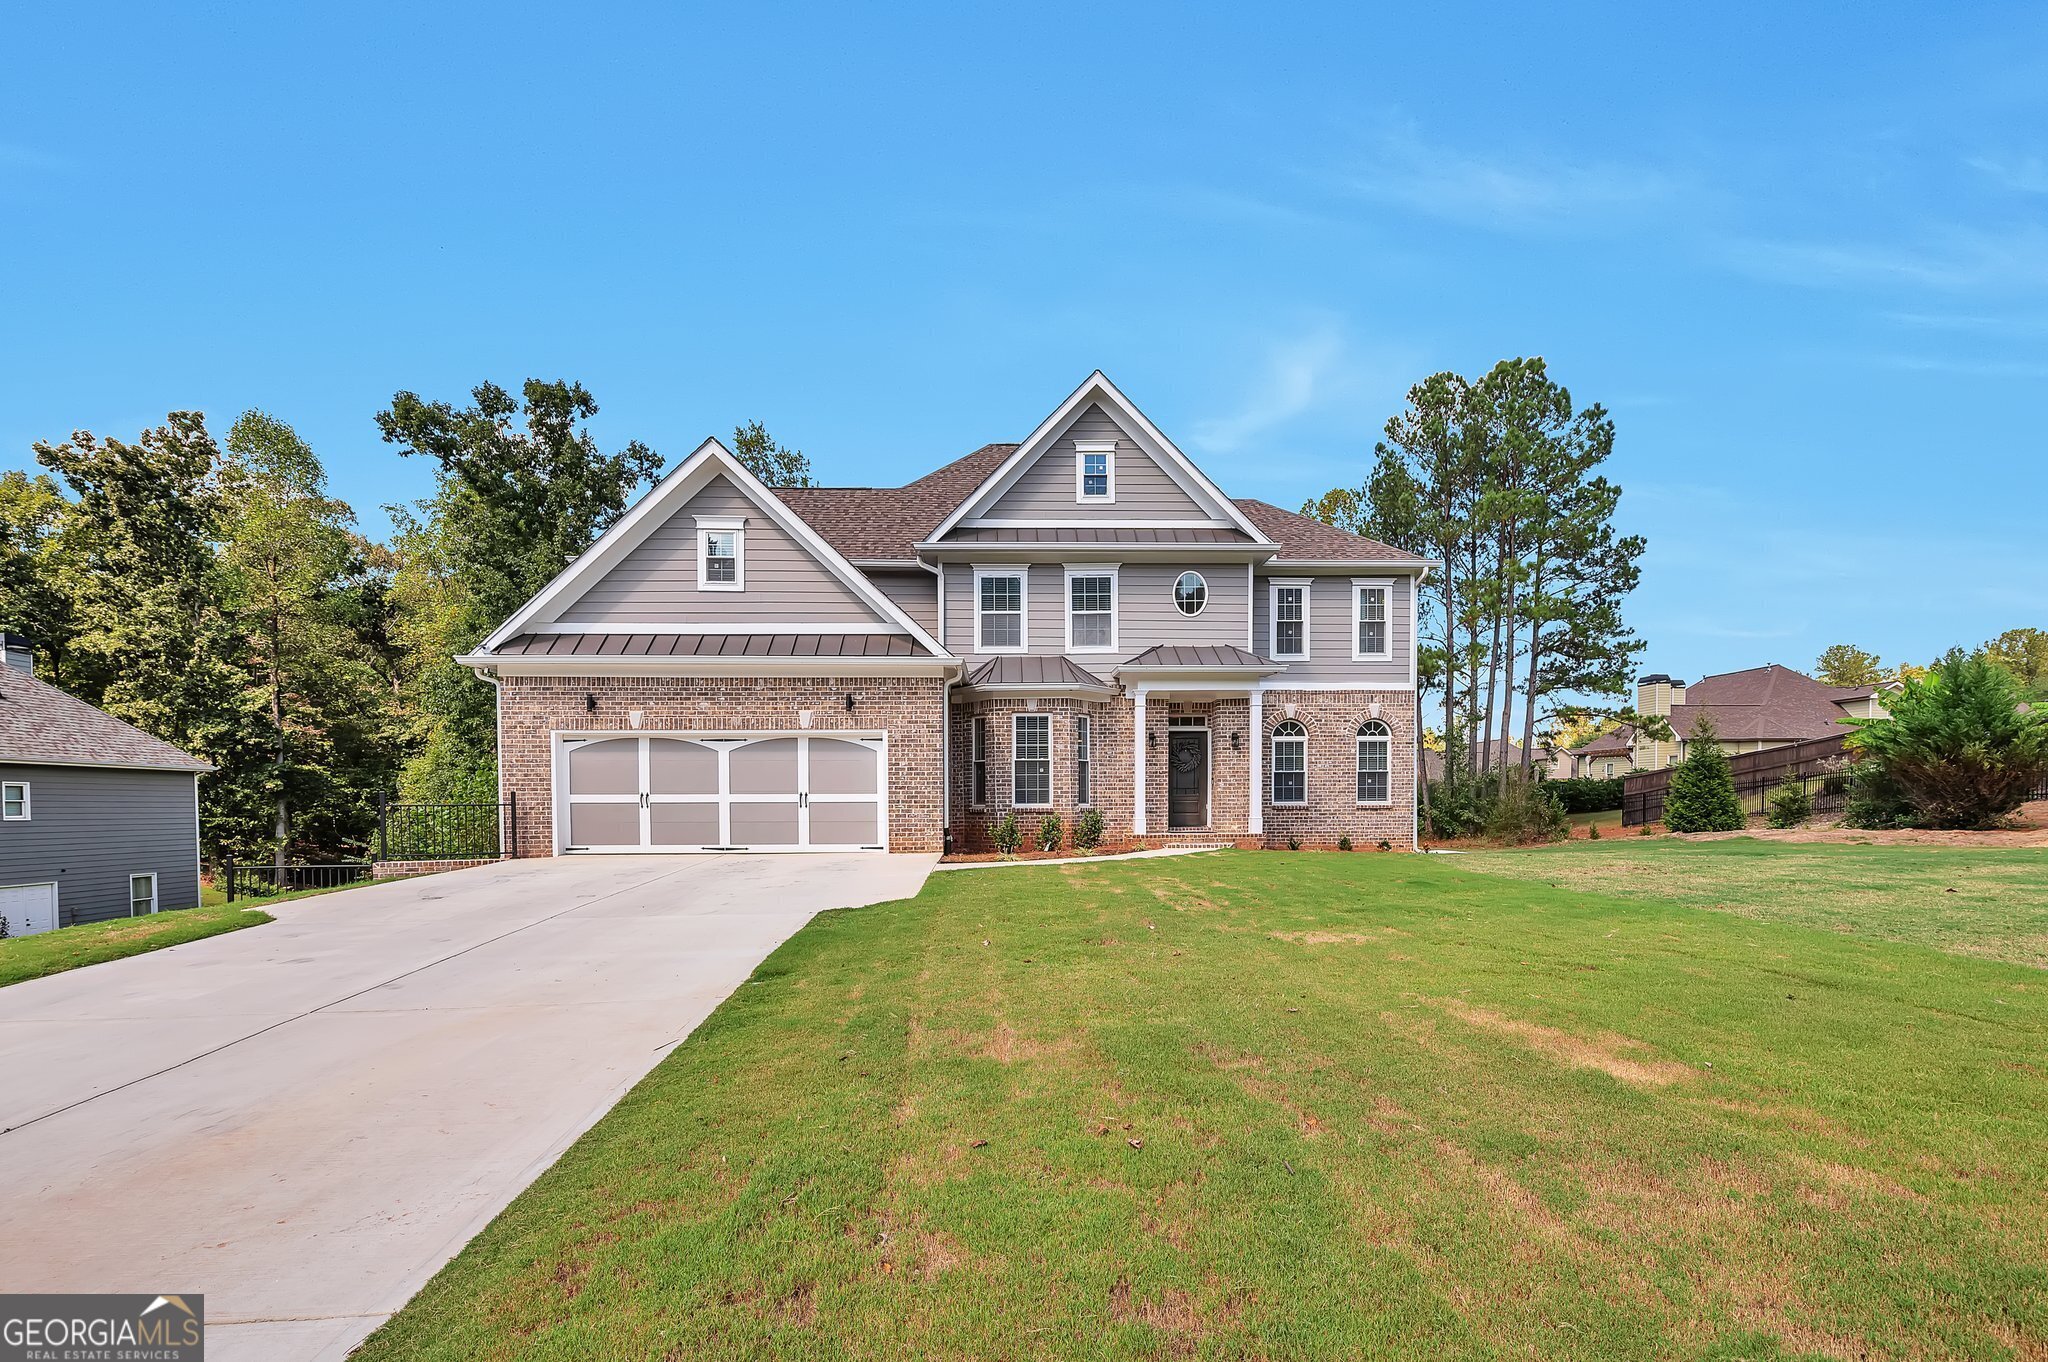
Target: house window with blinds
x=1375 y=763
x=1091 y=611
x=1290 y=764
x=1370 y=617
x=1084 y=789
x=1290 y=619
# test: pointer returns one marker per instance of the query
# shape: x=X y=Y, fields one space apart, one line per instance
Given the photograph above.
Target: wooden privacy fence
x=1820 y=763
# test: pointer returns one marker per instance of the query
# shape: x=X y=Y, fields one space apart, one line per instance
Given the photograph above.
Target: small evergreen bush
x=1789 y=804
x=1957 y=751
x=1525 y=812
x=1701 y=797
x=1592 y=832
x=1051 y=831
x=1088 y=830
x=1294 y=844
x=1344 y=842
x=1006 y=834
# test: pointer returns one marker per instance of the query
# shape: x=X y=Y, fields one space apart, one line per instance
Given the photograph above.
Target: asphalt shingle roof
x=41 y=724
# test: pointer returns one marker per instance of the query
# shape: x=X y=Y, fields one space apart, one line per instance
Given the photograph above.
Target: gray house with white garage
x=98 y=819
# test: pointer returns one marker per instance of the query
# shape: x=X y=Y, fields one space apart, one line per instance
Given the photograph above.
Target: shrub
x=1385 y=845
x=1644 y=831
x=1294 y=844
x=1524 y=812
x=1088 y=830
x=1583 y=794
x=1701 y=797
x=1051 y=832
x=1789 y=804
x=1957 y=751
x=1592 y=832
x=1875 y=800
x=1006 y=834
x=1344 y=842
x=1458 y=808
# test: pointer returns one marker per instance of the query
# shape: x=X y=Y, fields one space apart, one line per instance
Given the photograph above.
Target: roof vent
x=21 y=652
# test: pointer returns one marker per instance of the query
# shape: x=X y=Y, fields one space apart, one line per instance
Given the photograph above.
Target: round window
x=1190 y=593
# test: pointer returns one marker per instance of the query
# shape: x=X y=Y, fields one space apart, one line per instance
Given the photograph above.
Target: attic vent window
x=1095 y=471
x=721 y=554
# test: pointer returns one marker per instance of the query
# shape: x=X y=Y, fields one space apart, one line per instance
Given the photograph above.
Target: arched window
x=1290 y=763
x=1375 y=763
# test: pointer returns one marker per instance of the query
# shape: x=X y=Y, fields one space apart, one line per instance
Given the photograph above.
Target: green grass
x=1967 y=901
x=67 y=948
x=1607 y=820
x=1308 y=1106
x=211 y=894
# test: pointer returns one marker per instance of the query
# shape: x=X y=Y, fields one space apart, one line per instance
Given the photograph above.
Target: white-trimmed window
x=1091 y=609
x=721 y=554
x=1084 y=782
x=14 y=801
x=1190 y=593
x=1375 y=763
x=1289 y=610
x=977 y=794
x=1095 y=471
x=1031 y=761
x=1372 y=637
x=1290 y=763
x=142 y=894
x=999 y=598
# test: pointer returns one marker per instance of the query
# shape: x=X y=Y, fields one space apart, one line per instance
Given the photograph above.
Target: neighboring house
x=1763 y=707
x=1544 y=764
x=97 y=819
x=1605 y=756
x=1083 y=620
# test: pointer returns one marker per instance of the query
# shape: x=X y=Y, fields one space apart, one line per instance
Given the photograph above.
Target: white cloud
x=2022 y=174
x=1315 y=369
x=1496 y=188
x=1958 y=259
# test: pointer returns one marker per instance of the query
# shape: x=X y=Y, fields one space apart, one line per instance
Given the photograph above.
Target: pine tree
x=1701 y=797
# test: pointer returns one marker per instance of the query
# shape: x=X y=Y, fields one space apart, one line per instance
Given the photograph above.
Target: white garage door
x=708 y=792
x=29 y=908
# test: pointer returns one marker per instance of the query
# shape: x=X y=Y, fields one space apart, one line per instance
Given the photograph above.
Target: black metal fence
x=260 y=880
x=446 y=832
x=1818 y=763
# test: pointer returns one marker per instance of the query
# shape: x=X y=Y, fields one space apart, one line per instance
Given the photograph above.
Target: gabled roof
x=1033 y=671
x=710 y=459
x=1765 y=702
x=1097 y=389
x=1303 y=539
x=41 y=725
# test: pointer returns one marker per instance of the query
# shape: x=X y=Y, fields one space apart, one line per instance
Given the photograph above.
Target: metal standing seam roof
x=1210 y=655
x=1033 y=669
x=41 y=724
x=710 y=645
x=1108 y=534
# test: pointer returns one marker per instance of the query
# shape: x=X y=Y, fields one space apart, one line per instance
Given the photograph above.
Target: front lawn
x=31 y=957
x=1966 y=900
x=1299 y=1106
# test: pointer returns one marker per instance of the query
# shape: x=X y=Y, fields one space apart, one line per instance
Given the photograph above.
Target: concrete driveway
x=305 y=1120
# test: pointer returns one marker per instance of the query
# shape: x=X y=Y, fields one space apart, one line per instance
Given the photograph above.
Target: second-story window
x=1190 y=593
x=1290 y=619
x=999 y=611
x=1369 y=619
x=721 y=562
x=1091 y=609
x=1094 y=472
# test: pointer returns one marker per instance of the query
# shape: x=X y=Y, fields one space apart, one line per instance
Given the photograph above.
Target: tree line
x=218 y=595
x=1500 y=479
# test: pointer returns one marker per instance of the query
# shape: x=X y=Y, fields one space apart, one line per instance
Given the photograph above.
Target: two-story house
x=1083 y=620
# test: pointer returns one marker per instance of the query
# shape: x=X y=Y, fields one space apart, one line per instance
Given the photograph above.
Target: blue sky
x=1802 y=257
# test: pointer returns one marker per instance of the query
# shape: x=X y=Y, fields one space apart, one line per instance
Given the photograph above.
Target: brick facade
x=1332 y=719
x=909 y=709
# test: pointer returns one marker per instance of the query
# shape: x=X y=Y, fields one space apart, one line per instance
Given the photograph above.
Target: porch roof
x=1033 y=672
x=1207 y=657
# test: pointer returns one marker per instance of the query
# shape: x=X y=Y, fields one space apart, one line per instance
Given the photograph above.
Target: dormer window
x=721 y=554
x=1095 y=471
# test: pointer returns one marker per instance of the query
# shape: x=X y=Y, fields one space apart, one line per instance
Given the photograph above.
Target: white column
x=1138 y=763
x=1257 y=738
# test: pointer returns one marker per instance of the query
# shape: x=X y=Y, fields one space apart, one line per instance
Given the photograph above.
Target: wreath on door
x=1187 y=758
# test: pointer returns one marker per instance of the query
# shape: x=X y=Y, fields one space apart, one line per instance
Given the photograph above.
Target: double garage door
x=708 y=792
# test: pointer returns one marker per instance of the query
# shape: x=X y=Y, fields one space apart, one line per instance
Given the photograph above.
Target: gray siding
x=916 y=594
x=1330 y=631
x=1045 y=491
x=657 y=582
x=1145 y=613
x=90 y=828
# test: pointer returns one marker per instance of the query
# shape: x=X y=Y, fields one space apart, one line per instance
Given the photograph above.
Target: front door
x=1187 y=778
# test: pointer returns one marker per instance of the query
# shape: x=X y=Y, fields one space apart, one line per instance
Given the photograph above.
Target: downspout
x=1415 y=693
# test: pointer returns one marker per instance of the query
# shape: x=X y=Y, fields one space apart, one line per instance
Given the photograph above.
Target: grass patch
x=1250 y=1105
x=1607 y=820
x=68 y=948
x=212 y=895
x=1964 y=900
